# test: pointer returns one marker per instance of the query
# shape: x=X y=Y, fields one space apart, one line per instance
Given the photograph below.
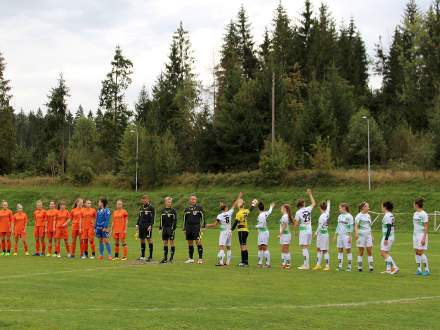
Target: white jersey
x=304 y=217
x=225 y=219
x=284 y=221
x=262 y=220
x=345 y=224
x=419 y=220
x=363 y=221
x=388 y=219
x=323 y=223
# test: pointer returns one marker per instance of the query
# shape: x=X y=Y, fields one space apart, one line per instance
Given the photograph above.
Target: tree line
x=318 y=69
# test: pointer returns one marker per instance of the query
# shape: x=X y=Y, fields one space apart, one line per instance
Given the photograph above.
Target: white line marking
x=230 y=308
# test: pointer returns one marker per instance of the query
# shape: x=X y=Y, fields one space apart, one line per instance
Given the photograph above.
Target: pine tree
x=144 y=112
x=246 y=50
x=282 y=41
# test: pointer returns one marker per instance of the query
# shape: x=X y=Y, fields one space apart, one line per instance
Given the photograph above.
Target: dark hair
x=261 y=206
x=362 y=205
x=323 y=206
x=300 y=203
x=104 y=201
x=289 y=212
x=388 y=205
x=223 y=206
x=345 y=206
x=419 y=202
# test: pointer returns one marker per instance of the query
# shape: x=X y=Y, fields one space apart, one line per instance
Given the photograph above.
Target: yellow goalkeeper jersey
x=242 y=218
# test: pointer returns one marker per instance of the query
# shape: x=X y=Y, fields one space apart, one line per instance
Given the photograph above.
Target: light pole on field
x=137 y=154
x=369 y=157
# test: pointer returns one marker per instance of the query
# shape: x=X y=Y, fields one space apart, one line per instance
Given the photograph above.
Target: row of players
x=87 y=223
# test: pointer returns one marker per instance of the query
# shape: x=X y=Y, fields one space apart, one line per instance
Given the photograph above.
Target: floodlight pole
x=369 y=151
x=273 y=109
x=137 y=156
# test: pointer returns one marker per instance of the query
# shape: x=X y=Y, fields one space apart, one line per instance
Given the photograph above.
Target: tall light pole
x=273 y=109
x=137 y=154
x=369 y=157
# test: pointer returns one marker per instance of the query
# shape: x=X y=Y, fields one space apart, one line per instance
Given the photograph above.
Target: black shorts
x=167 y=234
x=192 y=233
x=242 y=237
x=145 y=233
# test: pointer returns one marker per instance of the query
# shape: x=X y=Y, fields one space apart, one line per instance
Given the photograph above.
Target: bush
x=80 y=170
x=274 y=163
x=321 y=158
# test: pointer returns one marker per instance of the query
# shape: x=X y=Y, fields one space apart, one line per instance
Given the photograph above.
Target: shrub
x=274 y=161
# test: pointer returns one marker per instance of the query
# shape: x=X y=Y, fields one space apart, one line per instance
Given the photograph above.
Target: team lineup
x=51 y=229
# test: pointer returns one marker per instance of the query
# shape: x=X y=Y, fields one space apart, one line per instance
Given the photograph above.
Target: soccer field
x=49 y=293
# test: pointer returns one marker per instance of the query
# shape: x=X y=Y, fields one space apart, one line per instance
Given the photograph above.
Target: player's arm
x=126 y=222
x=234 y=205
x=234 y=225
x=139 y=220
x=283 y=228
x=356 y=228
x=319 y=227
x=272 y=205
x=202 y=219
x=213 y=225
x=106 y=222
x=161 y=220
x=425 y=230
x=312 y=199
x=174 y=225
x=153 y=215
x=69 y=217
x=185 y=214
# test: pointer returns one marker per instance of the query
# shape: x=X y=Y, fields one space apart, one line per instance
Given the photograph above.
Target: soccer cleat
x=8 y=254
x=92 y=257
x=386 y=272
x=68 y=255
x=83 y=256
x=54 y=255
x=26 y=253
x=35 y=254
x=219 y=264
x=394 y=271
x=101 y=258
x=41 y=254
x=141 y=259
x=200 y=261
x=259 y=265
x=317 y=267
x=371 y=270
x=419 y=272
x=287 y=266
x=163 y=261
x=116 y=258
x=48 y=255
x=72 y=256
x=189 y=261
x=15 y=254
x=59 y=256
x=149 y=259
x=124 y=259
x=349 y=269
x=426 y=273
x=339 y=269
x=326 y=268
x=267 y=266
x=303 y=268
x=359 y=270
x=110 y=258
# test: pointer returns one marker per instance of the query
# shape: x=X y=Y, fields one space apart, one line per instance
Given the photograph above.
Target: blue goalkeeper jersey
x=102 y=218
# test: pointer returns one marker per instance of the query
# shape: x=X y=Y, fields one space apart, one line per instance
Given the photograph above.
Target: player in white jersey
x=322 y=239
x=420 y=237
x=362 y=235
x=263 y=234
x=388 y=238
x=285 y=235
x=344 y=230
x=224 y=219
x=303 y=219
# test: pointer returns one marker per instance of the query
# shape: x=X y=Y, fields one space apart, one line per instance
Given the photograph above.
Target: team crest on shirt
x=194 y=212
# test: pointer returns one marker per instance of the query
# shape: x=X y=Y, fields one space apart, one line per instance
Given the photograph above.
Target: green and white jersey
x=363 y=221
x=388 y=219
x=262 y=220
x=284 y=221
x=419 y=220
x=304 y=217
x=345 y=224
x=224 y=219
x=323 y=224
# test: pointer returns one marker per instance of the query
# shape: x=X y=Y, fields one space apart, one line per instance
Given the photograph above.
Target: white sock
x=306 y=257
x=419 y=263
x=228 y=256
x=424 y=260
x=389 y=262
x=319 y=258
x=340 y=259
x=288 y=258
x=359 y=259
x=260 y=257
x=221 y=256
x=327 y=258
x=350 y=259
x=267 y=255
x=370 y=262
x=392 y=262
x=284 y=258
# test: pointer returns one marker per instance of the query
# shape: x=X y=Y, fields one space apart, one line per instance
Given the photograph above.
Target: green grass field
x=49 y=293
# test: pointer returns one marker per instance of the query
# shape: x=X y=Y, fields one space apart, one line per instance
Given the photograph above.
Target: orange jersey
x=120 y=218
x=62 y=217
x=20 y=220
x=89 y=216
x=77 y=214
x=51 y=218
x=6 y=217
x=40 y=218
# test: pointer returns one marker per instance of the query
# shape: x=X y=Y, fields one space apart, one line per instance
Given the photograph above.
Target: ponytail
x=289 y=212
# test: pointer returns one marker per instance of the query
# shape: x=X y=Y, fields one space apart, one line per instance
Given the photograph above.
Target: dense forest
x=318 y=69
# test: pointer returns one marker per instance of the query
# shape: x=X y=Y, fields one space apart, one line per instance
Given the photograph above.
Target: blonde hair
x=19 y=207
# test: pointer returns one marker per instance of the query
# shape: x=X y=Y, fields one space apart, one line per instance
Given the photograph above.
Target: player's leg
x=91 y=239
x=200 y=247
x=37 y=242
x=3 y=239
x=8 y=244
x=360 y=257
x=228 y=253
x=190 y=251
x=165 y=241
x=349 y=259
x=124 y=247
x=108 y=246
x=16 y=239
x=370 y=258
x=142 y=257
x=173 y=249
x=42 y=235
x=150 y=247
x=318 y=259
x=423 y=257
x=116 y=238
x=221 y=255
x=267 y=255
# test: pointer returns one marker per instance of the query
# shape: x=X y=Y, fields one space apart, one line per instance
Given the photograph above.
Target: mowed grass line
x=89 y=294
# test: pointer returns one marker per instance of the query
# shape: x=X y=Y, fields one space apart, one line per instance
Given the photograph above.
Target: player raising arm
x=285 y=235
x=263 y=234
x=6 y=217
x=144 y=226
x=363 y=237
x=40 y=220
x=50 y=227
x=168 y=224
x=102 y=228
x=193 y=223
x=343 y=233
x=241 y=223
x=420 y=237
x=20 y=220
x=388 y=238
x=224 y=219
x=303 y=219
x=119 y=229
x=322 y=238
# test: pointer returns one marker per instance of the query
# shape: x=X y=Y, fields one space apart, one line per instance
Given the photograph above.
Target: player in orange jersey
x=88 y=229
x=62 y=229
x=40 y=220
x=77 y=214
x=20 y=220
x=5 y=228
x=50 y=226
x=119 y=229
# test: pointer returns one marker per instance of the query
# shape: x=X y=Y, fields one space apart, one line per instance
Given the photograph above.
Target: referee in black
x=168 y=224
x=193 y=222
x=145 y=227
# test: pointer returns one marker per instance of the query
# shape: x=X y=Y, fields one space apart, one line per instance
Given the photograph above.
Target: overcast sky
x=40 y=39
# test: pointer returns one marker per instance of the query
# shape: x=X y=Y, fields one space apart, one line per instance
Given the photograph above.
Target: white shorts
x=263 y=238
x=417 y=242
x=305 y=238
x=343 y=242
x=387 y=247
x=285 y=239
x=364 y=241
x=225 y=238
x=322 y=242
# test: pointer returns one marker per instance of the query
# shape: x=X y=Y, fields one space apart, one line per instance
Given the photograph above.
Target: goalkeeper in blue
x=102 y=228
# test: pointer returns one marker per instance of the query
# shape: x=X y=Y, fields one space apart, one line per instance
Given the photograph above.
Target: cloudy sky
x=40 y=39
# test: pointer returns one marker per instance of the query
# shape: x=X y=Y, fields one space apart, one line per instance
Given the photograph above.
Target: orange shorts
x=75 y=233
x=88 y=233
x=20 y=234
x=50 y=234
x=119 y=235
x=39 y=232
x=4 y=233
x=62 y=233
